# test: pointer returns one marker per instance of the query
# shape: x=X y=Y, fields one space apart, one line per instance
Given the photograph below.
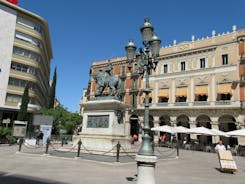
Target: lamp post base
x=146 y=169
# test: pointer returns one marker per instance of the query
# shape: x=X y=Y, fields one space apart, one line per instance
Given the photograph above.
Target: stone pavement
x=190 y=168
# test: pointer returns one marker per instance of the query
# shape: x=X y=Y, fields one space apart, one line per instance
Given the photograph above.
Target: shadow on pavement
x=5 y=178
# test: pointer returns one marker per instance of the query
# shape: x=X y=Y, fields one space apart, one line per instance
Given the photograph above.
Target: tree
x=63 y=119
x=22 y=115
x=52 y=91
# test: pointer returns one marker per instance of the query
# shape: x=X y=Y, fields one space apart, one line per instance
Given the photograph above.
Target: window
x=23 y=68
x=224 y=96
x=21 y=83
x=165 y=68
x=30 y=24
x=201 y=98
x=202 y=63
x=225 y=59
x=13 y=98
x=163 y=100
x=133 y=100
x=26 y=53
x=181 y=99
x=182 y=66
x=28 y=39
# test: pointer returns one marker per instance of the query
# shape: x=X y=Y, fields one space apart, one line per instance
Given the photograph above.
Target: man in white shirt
x=220 y=146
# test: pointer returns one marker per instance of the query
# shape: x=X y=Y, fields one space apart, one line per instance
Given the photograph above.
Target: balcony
x=194 y=105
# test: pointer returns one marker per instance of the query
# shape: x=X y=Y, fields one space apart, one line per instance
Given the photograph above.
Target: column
x=172 y=94
x=156 y=92
x=215 y=124
x=192 y=91
x=127 y=124
x=241 y=119
x=213 y=90
x=156 y=124
x=173 y=120
x=192 y=123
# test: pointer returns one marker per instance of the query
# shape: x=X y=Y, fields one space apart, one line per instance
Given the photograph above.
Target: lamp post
x=145 y=61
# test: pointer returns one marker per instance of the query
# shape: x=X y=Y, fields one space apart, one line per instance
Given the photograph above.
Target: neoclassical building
x=196 y=83
x=26 y=52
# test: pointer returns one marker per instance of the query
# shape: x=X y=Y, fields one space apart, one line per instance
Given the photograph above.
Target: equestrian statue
x=104 y=80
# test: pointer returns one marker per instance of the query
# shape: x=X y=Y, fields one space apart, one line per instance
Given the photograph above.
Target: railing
x=200 y=103
x=195 y=104
x=181 y=104
x=223 y=102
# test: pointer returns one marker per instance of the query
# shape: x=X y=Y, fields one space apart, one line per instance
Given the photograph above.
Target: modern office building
x=196 y=83
x=26 y=52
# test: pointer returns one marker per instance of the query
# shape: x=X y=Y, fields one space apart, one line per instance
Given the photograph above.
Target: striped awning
x=201 y=90
x=163 y=93
x=224 y=88
x=181 y=91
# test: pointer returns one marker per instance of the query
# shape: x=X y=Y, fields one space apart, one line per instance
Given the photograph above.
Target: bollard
x=79 y=147
x=21 y=141
x=118 y=150
x=62 y=141
x=177 y=148
x=47 y=145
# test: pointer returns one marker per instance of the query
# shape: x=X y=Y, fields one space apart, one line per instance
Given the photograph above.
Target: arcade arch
x=228 y=123
x=205 y=121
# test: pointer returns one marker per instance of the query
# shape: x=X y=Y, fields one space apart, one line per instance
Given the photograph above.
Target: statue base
x=103 y=127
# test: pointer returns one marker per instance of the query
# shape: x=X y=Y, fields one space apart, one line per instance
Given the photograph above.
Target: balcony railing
x=223 y=102
x=181 y=104
x=200 y=103
x=196 y=104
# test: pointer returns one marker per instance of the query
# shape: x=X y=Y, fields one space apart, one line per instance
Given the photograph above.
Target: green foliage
x=22 y=115
x=52 y=91
x=63 y=119
x=5 y=132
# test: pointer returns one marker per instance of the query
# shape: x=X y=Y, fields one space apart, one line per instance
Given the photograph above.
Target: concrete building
x=196 y=83
x=26 y=52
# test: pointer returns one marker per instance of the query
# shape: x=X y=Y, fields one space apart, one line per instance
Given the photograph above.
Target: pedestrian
x=39 y=137
x=220 y=146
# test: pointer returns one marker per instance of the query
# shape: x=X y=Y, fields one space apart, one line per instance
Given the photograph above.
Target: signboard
x=19 y=128
x=6 y=121
x=13 y=1
x=46 y=129
x=42 y=120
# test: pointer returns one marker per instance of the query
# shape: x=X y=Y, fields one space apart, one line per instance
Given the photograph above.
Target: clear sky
x=83 y=31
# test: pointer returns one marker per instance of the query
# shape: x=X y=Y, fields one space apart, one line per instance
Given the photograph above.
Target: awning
x=163 y=93
x=224 y=88
x=201 y=90
x=181 y=91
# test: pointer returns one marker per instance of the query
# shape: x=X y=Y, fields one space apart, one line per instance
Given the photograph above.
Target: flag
x=13 y=1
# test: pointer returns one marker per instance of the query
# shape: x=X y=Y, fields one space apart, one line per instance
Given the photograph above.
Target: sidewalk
x=190 y=168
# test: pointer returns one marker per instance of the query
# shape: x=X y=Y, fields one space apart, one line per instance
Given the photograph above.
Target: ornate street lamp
x=145 y=62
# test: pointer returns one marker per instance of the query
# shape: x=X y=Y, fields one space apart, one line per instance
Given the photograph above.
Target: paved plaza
x=191 y=167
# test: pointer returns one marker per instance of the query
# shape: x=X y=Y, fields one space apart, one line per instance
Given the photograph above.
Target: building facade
x=26 y=52
x=196 y=83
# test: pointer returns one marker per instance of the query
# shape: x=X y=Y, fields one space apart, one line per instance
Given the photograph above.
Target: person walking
x=220 y=146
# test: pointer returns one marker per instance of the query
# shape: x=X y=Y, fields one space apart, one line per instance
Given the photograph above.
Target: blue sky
x=83 y=31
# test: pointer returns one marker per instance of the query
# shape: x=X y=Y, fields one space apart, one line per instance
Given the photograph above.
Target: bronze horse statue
x=104 y=80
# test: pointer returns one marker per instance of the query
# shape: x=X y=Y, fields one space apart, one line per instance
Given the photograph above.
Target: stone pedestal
x=146 y=169
x=103 y=127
